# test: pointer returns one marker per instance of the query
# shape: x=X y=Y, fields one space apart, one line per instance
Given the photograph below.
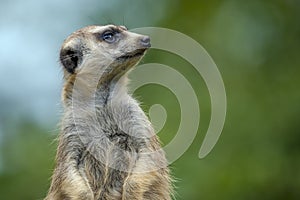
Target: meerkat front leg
x=153 y=185
x=71 y=184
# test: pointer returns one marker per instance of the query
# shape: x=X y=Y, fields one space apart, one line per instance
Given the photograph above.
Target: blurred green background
x=256 y=46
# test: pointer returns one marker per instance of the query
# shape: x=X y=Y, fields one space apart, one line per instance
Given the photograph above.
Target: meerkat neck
x=82 y=90
x=113 y=91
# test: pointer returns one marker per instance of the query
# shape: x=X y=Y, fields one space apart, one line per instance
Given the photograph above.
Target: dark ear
x=70 y=58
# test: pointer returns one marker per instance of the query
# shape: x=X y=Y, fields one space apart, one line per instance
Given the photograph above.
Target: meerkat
x=107 y=148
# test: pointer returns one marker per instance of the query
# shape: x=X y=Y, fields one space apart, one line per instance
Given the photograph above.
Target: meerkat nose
x=145 y=41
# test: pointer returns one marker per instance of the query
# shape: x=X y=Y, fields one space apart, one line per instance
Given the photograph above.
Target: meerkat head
x=111 y=50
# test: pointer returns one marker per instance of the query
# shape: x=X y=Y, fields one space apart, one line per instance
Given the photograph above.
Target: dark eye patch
x=110 y=35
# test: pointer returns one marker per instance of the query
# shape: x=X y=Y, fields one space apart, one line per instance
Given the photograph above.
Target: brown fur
x=107 y=150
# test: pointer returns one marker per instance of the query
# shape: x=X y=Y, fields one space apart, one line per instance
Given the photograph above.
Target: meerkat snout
x=146 y=41
x=110 y=46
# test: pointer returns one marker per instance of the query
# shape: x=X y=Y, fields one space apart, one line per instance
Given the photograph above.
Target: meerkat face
x=109 y=48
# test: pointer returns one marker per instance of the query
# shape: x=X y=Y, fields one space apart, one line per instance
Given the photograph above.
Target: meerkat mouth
x=134 y=54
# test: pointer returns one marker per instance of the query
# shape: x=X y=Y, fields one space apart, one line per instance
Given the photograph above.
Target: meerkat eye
x=109 y=36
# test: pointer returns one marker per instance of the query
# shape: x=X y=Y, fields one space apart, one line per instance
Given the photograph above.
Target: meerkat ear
x=70 y=58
